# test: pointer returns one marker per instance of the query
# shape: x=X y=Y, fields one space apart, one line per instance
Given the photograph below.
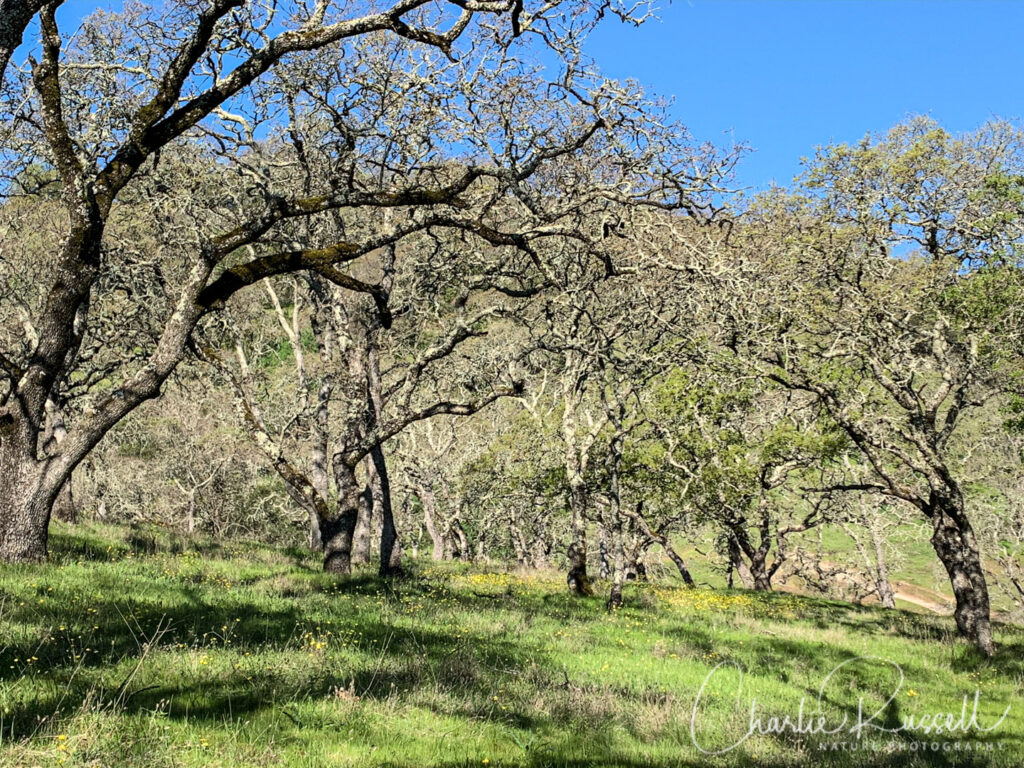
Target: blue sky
x=785 y=77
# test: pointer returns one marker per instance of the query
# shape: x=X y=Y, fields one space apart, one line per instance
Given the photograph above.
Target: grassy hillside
x=140 y=650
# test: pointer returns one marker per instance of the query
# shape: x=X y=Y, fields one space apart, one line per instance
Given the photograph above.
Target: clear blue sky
x=785 y=77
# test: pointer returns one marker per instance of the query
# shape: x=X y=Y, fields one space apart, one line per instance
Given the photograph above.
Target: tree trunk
x=25 y=499
x=429 y=503
x=24 y=520
x=480 y=555
x=461 y=540
x=319 y=477
x=618 y=554
x=618 y=567
x=390 y=549
x=604 y=570
x=338 y=531
x=736 y=564
x=759 y=573
x=190 y=513
x=954 y=543
x=541 y=546
x=577 y=579
x=15 y=16
x=613 y=524
x=316 y=540
x=364 y=526
x=680 y=564
x=663 y=540
x=64 y=508
x=882 y=584
x=518 y=542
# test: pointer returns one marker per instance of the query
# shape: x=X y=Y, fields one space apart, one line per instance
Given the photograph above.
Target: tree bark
x=882 y=583
x=461 y=540
x=736 y=564
x=613 y=524
x=750 y=563
x=680 y=564
x=618 y=566
x=604 y=570
x=24 y=515
x=759 y=573
x=515 y=533
x=662 y=539
x=364 y=525
x=338 y=531
x=541 y=545
x=64 y=508
x=390 y=548
x=318 y=472
x=15 y=16
x=577 y=579
x=25 y=499
x=425 y=491
x=955 y=544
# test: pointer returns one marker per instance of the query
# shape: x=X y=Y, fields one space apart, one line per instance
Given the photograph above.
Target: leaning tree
x=124 y=122
x=888 y=289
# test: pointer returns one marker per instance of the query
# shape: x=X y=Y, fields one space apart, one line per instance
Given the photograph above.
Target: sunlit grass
x=146 y=650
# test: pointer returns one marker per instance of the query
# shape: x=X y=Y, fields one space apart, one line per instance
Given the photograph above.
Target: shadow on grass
x=460 y=674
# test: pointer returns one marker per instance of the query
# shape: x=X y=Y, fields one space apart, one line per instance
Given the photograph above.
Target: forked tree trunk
x=955 y=544
x=636 y=560
x=663 y=540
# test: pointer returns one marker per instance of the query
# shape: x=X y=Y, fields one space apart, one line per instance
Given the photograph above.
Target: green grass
x=139 y=649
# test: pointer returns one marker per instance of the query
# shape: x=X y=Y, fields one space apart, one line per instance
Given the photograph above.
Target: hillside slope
x=141 y=650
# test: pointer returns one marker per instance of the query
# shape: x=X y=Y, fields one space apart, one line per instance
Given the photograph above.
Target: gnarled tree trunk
x=26 y=493
x=955 y=544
